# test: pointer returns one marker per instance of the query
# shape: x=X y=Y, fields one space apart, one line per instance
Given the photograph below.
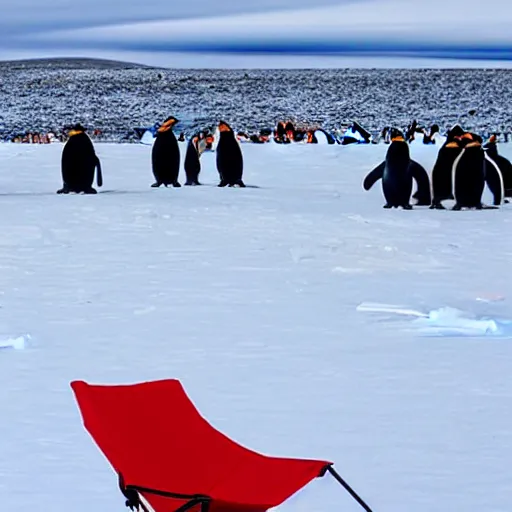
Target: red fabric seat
x=152 y=435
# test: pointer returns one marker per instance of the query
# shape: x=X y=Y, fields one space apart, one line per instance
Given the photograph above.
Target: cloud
x=26 y=17
x=459 y=29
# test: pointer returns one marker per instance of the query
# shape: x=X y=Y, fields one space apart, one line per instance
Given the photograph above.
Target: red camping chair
x=171 y=458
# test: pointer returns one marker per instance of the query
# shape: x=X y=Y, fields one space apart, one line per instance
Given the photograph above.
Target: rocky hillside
x=115 y=97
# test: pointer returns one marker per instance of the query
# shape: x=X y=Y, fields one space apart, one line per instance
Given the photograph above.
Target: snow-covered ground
x=250 y=297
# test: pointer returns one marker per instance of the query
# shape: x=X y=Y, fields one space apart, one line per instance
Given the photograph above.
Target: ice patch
x=376 y=307
x=490 y=298
x=347 y=270
x=19 y=343
x=144 y=311
x=449 y=321
x=445 y=321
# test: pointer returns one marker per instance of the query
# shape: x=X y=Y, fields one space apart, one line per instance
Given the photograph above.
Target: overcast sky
x=273 y=33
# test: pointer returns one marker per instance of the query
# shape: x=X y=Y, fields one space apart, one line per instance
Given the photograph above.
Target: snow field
x=250 y=296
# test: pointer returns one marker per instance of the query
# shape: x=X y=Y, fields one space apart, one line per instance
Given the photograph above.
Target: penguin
x=442 y=186
x=281 y=130
x=411 y=131
x=301 y=136
x=471 y=171
x=494 y=179
x=385 y=135
x=356 y=134
x=230 y=163
x=192 y=162
x=442 y=174
x=311 y=139
x=324 y=137
x=290 y=131
x=165 y=155
x=397 y=172
x=468 y=177
x=494 y=162
x=433 y=136
x=78 y=163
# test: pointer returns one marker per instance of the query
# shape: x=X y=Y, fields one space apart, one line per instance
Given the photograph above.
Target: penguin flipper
x=494 y=180
x=420 y=175
x=99 y=174
x=374 y=176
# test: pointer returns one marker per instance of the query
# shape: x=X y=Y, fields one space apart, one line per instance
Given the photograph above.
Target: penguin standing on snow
x=495 y=163
x=433 y=136
x=165 y=155
x=442 y=187
x=397 y=173
x=230 y=162
x=468 y=177
x=192 y=162
x=471 y=171
x=78 y=163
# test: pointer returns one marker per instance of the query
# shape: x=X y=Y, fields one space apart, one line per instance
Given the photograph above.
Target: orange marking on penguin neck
x=167 y=125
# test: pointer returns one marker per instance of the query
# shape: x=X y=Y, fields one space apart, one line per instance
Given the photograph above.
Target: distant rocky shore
x=116 y=98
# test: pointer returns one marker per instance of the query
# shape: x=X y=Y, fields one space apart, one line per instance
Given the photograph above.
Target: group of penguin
x=463 y=167
x=79 y=162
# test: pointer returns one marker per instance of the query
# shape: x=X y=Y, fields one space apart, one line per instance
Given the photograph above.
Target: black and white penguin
x=230 y=162
x=468 y=177
x=497 y=163
x=412 y=129
x=78 y=163
x=165 y=155
x=323 y=137
x=433 y=136
x=397 y=173
x=192 y=162
x=442 y=172
x=356 y=134
x=471 y=171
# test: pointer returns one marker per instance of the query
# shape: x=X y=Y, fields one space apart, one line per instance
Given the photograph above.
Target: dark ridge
x=69 y=63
